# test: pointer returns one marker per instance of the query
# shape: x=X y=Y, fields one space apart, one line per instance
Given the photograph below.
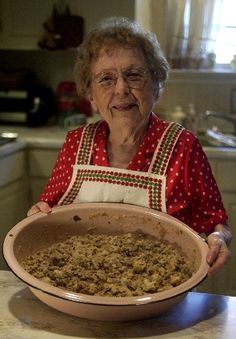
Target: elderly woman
x=131 y=155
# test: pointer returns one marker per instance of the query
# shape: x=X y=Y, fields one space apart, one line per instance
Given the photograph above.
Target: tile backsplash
x=205 y=90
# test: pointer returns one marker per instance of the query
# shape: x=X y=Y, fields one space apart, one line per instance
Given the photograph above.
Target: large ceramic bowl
x=40 y=231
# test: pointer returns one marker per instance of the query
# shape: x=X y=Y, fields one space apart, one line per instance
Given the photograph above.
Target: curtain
x=191 y=32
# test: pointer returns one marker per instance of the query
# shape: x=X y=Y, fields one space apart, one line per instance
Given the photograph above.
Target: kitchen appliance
x=31 y=107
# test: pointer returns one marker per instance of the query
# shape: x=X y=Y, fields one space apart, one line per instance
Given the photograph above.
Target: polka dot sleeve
x=206 y=207
x=62 y=171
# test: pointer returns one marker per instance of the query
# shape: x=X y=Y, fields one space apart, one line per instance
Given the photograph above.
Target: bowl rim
x=53 y=291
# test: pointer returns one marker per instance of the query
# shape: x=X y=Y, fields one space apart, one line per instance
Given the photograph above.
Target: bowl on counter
x=39 y=231
x=6 y=137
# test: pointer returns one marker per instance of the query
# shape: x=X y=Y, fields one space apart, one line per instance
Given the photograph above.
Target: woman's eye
x=106 y=79
x=134 y=76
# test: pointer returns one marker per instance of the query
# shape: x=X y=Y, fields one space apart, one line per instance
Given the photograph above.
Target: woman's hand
x=219 y=253
x=41 y=206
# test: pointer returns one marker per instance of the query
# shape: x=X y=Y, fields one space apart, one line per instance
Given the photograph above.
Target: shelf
x=199 y=76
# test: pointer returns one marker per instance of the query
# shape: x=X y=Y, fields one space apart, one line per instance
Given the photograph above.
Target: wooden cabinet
x=13 y=193
x=21 y=23
x=224 y=281
x=41 y=162
x=23 y=175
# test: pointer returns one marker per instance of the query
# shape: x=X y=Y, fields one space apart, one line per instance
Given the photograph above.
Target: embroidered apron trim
x=86 y=144
x=153 y=181
x=165 y=148
x=154 y=185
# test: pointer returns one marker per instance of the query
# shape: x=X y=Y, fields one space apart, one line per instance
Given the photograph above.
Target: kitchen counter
x=12 y=147
x=42 y=137
x=53 y=136
x=199 y=315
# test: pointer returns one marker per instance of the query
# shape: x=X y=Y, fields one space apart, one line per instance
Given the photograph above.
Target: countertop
x=12 y=147
x=52 y=137
x=198 y=316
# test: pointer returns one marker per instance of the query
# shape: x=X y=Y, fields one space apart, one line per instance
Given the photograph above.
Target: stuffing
x=120 y=265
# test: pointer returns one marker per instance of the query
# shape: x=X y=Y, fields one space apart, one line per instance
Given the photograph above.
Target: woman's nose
x=121 y=86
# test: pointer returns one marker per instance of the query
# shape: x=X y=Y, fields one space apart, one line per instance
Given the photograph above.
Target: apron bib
x=91 y=183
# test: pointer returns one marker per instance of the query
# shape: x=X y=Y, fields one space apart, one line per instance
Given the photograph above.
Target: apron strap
x=165 y=148
x=84 y=152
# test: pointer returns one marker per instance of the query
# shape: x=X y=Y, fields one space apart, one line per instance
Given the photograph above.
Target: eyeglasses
x=134 y=78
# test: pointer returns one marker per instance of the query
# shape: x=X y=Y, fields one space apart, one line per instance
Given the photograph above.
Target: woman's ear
x=157 y=92
x=92 y=102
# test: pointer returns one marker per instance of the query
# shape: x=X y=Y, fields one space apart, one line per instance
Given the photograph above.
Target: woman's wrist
x=223 y=232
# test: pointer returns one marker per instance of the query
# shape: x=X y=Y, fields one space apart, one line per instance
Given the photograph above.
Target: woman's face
x=122 y=87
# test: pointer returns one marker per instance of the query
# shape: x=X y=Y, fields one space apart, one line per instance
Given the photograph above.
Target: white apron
x=91 y=183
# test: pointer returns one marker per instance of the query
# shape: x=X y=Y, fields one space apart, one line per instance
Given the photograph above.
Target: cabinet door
x=21 y=22
x=226 y=178
x=230 y=205
x=12 y=167
x=36 y=187
x=224 y=281
x=41 y=162
x=13 y=208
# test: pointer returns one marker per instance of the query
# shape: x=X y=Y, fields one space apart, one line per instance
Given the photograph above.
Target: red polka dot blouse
x=192 y=195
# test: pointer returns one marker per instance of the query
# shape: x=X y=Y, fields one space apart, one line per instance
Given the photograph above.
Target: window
x=225 y=47
x=201 y=33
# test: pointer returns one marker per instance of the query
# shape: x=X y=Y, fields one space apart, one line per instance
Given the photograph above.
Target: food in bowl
x=120 y=265
x=40 y=231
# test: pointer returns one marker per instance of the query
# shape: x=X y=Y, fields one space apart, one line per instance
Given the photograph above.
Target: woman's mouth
x=123 y=107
